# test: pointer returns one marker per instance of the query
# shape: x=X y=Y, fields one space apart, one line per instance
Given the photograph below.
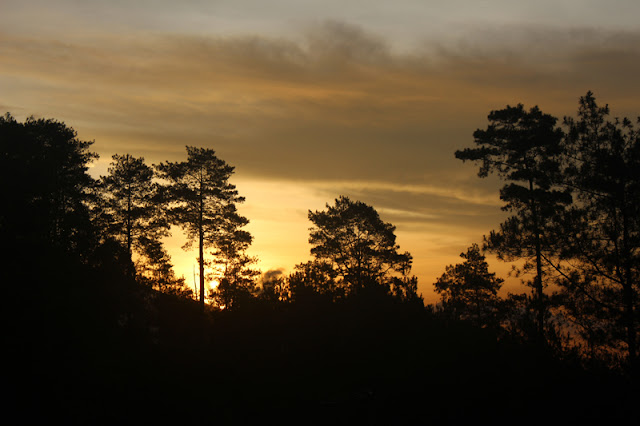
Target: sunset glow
x=312 y=103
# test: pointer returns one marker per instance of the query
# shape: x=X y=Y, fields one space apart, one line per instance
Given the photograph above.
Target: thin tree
x=523 y=148
x=232 y=266
x=197 y=194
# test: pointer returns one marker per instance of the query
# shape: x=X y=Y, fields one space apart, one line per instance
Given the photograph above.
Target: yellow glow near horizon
x=277 y=211
x=278 y=223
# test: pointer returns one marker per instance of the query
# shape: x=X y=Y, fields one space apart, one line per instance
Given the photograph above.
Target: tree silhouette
x=315 y=280
x=101 y=334
x=602 y=229
x=360 y=248
x=523 y=148
x=199 y=198
x=230 y=263
x=155 y=269
x=274 y=288
x=136 y=217
x=468 y=290
x=45 y=186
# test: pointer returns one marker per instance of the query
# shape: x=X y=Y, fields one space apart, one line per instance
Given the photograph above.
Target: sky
x=310 y=100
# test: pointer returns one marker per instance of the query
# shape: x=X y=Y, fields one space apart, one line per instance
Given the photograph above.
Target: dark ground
x=88 y=351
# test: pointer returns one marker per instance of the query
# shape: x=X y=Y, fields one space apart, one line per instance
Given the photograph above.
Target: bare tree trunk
x=539 y=291
x=129 y=227
x=538 y=280
x=201 y=250
x=628 y=294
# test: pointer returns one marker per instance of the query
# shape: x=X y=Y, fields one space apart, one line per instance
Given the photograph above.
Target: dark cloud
x=529 y=57
x=335 y=104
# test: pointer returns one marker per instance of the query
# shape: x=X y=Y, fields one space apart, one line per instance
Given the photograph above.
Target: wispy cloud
x=334 y=103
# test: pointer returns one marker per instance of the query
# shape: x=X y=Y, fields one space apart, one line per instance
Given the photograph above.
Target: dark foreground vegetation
x=92 y=349
x=100 y=330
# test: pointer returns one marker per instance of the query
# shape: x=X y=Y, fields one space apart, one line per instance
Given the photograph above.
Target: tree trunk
x=201 y=261
x=201 y=250
x=129 y=227
x=538 y=279
x=539 y=290
x=627 y=292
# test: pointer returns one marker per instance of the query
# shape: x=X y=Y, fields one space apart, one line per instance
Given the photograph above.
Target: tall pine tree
x=523 y=148
x=198 y=194
x=135 y=218
x=602 y=229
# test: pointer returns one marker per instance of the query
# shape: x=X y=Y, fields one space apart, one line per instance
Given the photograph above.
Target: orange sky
x=316 y=103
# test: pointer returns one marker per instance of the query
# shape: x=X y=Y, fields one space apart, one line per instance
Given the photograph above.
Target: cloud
x=507 y=57
x=336 y=103
x=423 y=208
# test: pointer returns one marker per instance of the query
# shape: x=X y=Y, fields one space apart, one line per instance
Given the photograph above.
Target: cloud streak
x=334 y=93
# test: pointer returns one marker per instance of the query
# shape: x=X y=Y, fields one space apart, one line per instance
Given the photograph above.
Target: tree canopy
x=132 y=204
x=468 y=290
x=600 y=263
x=359 y=246
x=45 y=184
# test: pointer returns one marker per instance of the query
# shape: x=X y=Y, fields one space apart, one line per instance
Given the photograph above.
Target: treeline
x=573 y=192
x=101 y=330
x=55 y=206
x=95 y=303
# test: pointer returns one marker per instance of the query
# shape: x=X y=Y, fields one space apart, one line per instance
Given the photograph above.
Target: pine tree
x=135 y=217
x=359 y=247
x=469 y=291
x=523 y=148
x=602 y=229
x=198 y=195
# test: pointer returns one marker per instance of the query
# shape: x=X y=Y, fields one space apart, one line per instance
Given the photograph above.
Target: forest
x=101 y=330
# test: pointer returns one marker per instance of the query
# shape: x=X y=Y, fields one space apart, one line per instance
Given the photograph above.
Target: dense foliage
x=575 y=195
x=469 y=291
